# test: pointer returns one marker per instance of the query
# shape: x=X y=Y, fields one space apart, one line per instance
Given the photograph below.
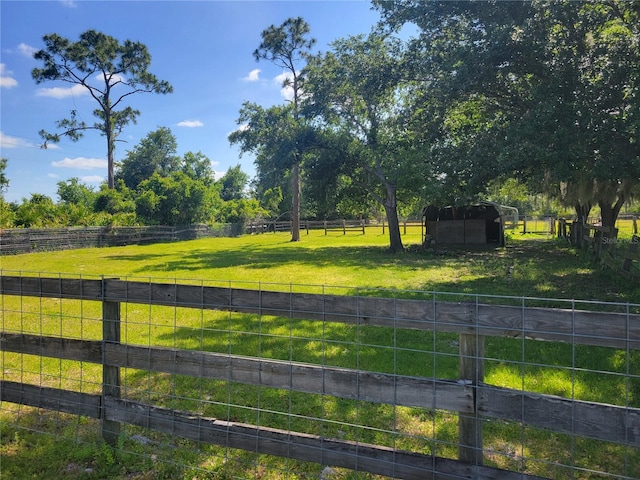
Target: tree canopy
x=546 y=91
x=157 y=152
x=110 y=72
x=233 y=184
x=4 y=180
x=356 y=89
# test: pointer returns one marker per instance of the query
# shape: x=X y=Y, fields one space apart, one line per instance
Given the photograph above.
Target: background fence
x=340 y=226
x=25 y=240
x=400 y=384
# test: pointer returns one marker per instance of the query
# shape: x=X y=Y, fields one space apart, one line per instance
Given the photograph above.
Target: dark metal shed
x=477 y=224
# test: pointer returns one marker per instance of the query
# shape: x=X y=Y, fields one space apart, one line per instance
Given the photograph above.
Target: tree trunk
x=391 y=209
x=295 y=203
x=577 y=230
x=108 y=128
x=609 y=215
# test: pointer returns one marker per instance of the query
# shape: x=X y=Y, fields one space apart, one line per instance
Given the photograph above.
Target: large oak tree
x=546 y=91
x=357 y=90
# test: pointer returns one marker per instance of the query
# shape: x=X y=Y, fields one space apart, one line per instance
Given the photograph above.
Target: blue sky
x=203 y=48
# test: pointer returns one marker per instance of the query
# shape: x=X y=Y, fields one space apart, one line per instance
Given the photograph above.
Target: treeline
x=153 y=186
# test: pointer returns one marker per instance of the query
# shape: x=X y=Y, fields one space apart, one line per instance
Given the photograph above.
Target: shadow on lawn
x=259 y=257
x=546 y=269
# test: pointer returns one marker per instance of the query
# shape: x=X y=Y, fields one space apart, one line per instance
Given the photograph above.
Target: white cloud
x=92 y=179
x=283 y=80
x=241 y=128
x=6 y=80
x=81 y=162
x=254 y=75
x=60 y=92
x=69 y=3
x=115 y=78
x=7 y=141
x=190 y=123
x=27 y=50
x=52 y=175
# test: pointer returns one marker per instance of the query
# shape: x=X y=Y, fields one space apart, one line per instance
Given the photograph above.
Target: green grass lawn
x=530 y=266
x=540 y=267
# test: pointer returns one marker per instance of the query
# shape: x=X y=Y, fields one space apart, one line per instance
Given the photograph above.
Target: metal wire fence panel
x=25 y=240
x=221 y=380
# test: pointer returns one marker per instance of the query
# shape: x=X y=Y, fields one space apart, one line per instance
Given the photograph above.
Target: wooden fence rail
x=468 y=396
x=344 y=226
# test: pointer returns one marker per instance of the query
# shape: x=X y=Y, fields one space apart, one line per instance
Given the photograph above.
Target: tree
x=117 y=200
x=7 y=215
x=240 y=211
x=175 y=200
x=155 y=153
x=543 y=91
x=271 y=134
x=37 y=212
x=286 y=46
x=197 y=166
x=109 y=71
x=270 y=201
x=356 y=89
x=233 y=183
x=74 y=192
x=4 y=181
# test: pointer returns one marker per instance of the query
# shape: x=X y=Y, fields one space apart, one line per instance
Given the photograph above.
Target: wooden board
x=581 y=327
x=54 y=347
x=585 y=419
x=300 y=446
x=308 y=378
x=51 y=398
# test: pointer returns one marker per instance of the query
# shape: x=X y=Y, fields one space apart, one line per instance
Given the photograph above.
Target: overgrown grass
x=529 y=266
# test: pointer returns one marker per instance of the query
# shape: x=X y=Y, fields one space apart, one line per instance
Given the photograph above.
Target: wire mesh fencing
x=193 y=379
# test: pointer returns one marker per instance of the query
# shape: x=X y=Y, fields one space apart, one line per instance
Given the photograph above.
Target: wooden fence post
x=110 y=375
x=470 y=426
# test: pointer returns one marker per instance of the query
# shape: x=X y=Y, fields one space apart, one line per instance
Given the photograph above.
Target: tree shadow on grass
x=534 y=268
x=257 y=257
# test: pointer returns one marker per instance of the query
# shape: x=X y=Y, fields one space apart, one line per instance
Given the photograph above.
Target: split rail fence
x=339 y=226
x=468 y=323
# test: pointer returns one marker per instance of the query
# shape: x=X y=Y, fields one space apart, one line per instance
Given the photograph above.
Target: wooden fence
x=326 y=225
x=467 y=396
x=343 y=226
x=26 y=240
